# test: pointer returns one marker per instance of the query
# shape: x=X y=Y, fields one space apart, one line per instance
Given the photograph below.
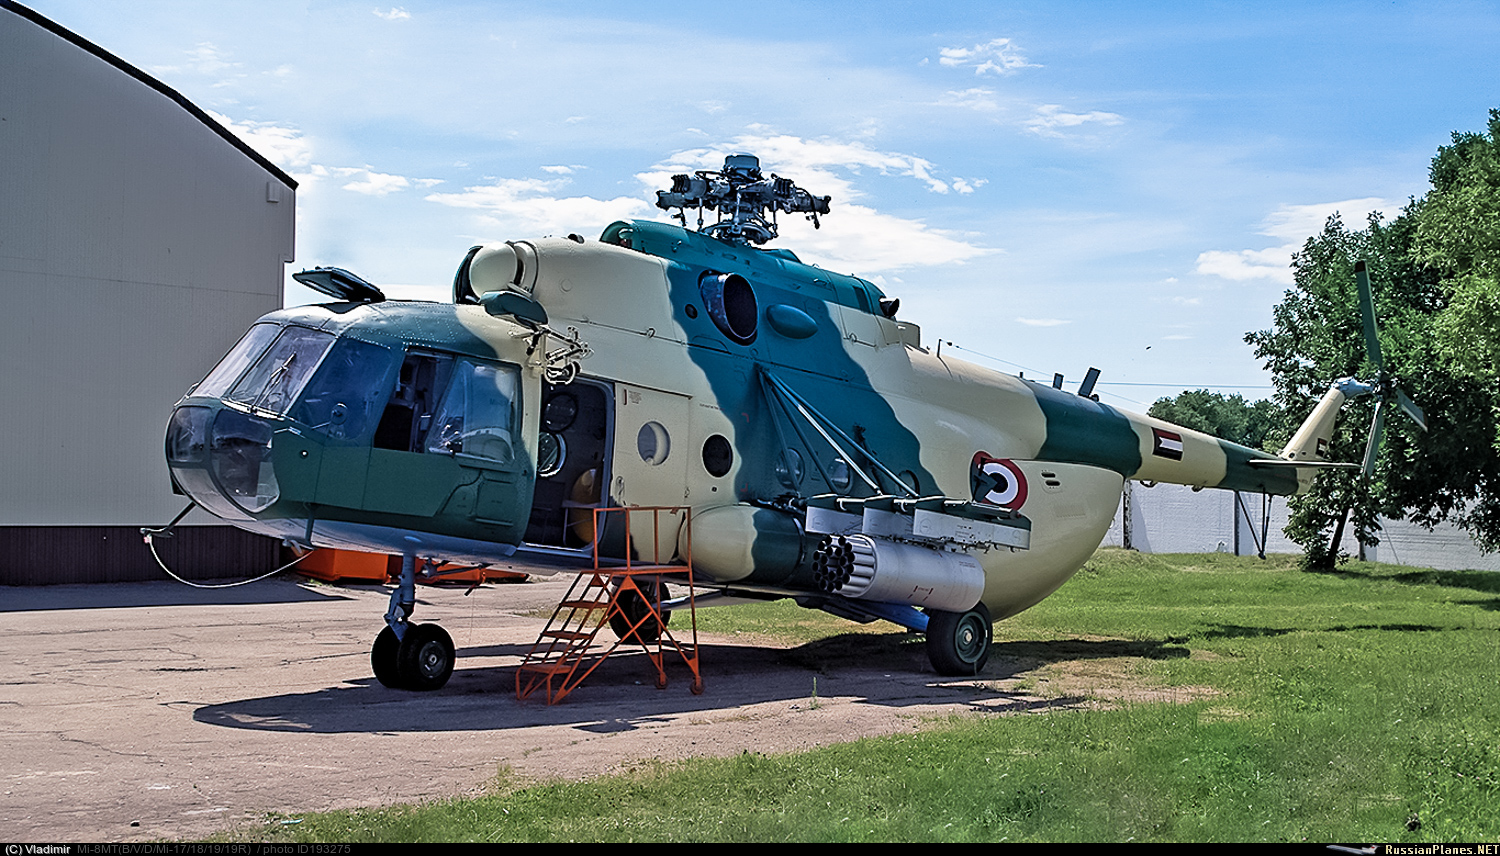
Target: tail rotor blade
x=1411 y=409
x=1367 y=314
x=1372 y=446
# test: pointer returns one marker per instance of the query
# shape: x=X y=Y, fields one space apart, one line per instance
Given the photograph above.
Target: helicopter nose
x=221 y=458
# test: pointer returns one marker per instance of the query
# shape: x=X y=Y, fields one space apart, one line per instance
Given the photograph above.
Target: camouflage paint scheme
x=674 y=373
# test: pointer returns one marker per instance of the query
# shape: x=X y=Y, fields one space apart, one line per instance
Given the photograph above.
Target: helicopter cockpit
x=324 y=428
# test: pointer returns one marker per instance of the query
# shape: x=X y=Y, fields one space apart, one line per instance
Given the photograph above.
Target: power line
x=1182 y=386
x=1191 y=385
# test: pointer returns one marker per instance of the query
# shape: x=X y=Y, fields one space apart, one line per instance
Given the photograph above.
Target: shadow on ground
x=136 y=595
x=880 y=669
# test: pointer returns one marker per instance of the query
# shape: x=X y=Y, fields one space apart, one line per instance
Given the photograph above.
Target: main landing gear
x=634 y=610
x=409 y=656
x=958 y=643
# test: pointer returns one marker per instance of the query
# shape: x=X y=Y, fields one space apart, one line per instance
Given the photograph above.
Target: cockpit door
x=450 y=446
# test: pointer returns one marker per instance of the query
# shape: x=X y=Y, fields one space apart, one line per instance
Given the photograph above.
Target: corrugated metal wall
x=1173 y=519
x=137 y=243
x=52 y=555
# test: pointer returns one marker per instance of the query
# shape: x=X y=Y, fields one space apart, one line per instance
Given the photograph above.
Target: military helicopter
x=826 y=453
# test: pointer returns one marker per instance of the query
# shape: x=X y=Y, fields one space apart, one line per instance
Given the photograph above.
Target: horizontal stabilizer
x=1279 y=463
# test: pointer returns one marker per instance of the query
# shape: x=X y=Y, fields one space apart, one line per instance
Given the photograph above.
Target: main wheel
x=425 y=660
x=633 y=608
x=383 y=658
x=958 y=643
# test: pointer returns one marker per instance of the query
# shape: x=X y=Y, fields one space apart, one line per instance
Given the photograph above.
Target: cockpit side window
x=343 y=399
x=480 y=413
x=229 y=369
x=274 y=381
x=408 y=414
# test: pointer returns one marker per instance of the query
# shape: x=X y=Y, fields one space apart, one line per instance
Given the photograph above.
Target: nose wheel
x=423 y=661
x=383 y=658
x=409 y=656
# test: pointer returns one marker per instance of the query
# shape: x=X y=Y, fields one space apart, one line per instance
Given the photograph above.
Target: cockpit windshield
x=229 y=369
x=274 y=380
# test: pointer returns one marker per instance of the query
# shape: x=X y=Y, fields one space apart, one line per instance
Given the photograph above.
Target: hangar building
x=138 y=239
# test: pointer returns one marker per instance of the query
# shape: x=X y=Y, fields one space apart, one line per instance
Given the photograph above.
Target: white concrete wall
x=136 y=245
x=1173 y=519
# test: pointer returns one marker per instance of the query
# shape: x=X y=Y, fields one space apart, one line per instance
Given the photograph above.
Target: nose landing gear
x=409 y=656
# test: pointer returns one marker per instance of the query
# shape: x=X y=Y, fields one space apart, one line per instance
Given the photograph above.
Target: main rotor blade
x=1411 y=409
x=1367 y=314
x=1372 y=446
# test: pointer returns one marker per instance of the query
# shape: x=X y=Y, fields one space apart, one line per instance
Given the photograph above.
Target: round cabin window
x=653 y=443
x=718 y=456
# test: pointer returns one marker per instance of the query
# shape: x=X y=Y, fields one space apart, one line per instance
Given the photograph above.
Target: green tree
x=1458 y=236
x=1432 y=271
x=1457 y=239
x=1317 y=338
x=1229 y=417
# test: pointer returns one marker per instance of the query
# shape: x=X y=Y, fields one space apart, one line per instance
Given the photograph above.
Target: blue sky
x=1049 y=185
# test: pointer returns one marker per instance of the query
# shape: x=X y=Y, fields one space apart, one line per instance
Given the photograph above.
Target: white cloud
x=288 y=149
x=558 y=170
x=205 y=58
x=1241 y=265
x=372 y=183
x=862 y=241
x=981 y=100
x=998 y=56
x=1042 y=322
x=1050 y=117
x=1299 y=222
x=532 y=205
x=285 y=147
x=395 y=13
x=1293 y=224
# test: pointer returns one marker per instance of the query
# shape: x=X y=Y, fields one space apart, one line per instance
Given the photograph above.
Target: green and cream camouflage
x=814 y=446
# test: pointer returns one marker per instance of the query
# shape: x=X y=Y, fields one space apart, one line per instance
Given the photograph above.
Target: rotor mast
x=745 y=200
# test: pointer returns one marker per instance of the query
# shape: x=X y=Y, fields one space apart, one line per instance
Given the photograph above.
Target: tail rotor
x=1385 y=386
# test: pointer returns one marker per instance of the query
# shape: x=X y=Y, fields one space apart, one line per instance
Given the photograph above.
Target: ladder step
x=584 y=604
x=547 y=668
x=567 y=634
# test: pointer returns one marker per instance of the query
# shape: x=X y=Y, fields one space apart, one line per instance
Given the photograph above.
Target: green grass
x=1322 y=707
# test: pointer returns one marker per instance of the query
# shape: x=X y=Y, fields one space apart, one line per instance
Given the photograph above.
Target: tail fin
x=1308 y=451
x=1309 y=446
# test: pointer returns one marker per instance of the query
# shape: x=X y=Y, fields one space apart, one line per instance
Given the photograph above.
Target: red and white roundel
x=997 y=481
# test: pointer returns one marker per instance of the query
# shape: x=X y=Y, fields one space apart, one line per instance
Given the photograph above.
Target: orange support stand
x=612 y=593
x=347 y=566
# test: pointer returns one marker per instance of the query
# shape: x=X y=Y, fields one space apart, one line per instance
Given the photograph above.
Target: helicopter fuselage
x=776 y=400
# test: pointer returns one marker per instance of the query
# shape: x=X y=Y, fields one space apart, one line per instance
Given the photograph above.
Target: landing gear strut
x=958 y=643
x=409 y=656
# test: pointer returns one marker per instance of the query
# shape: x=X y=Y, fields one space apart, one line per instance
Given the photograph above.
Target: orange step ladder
x=566 y=653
